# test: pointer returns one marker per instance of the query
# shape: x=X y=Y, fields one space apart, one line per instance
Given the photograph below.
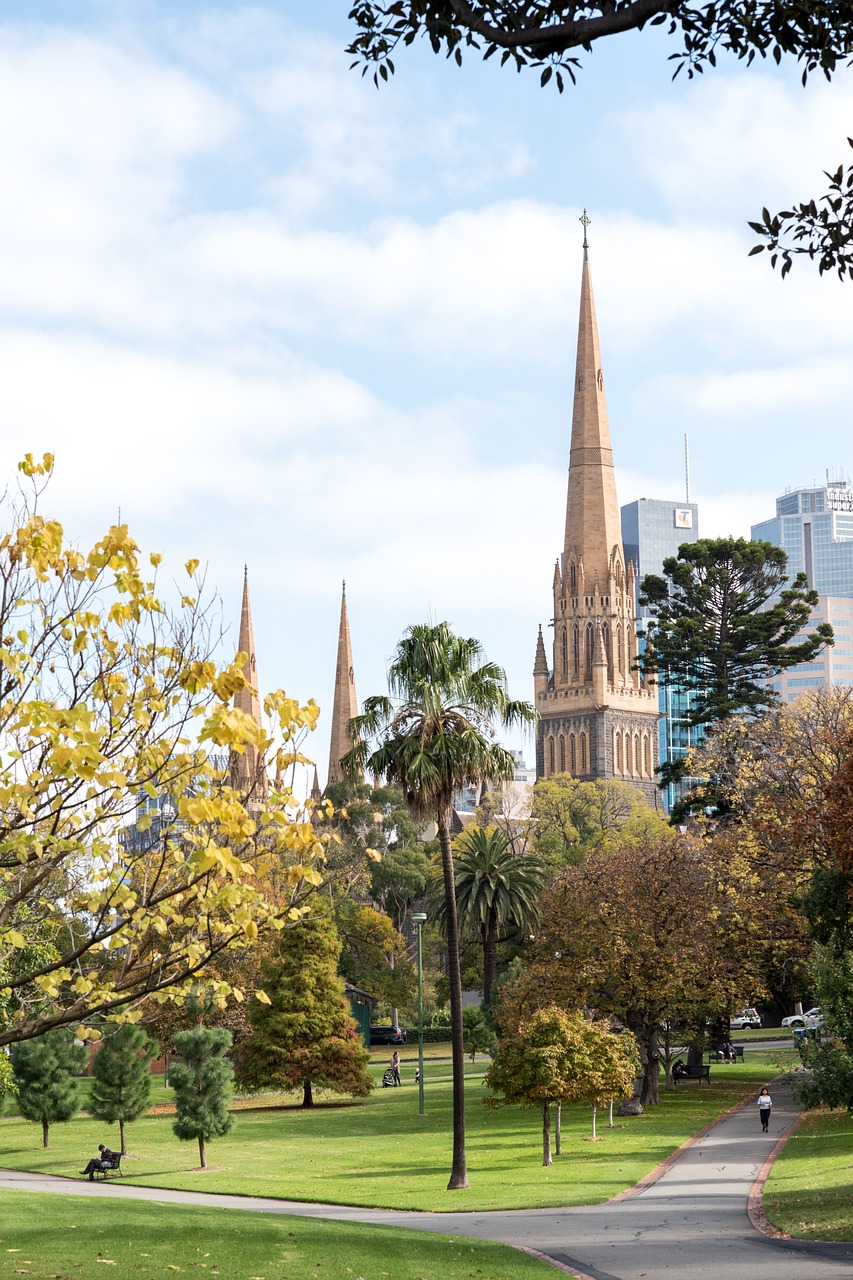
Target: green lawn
x=810 y=1190
x=381 y=1152
x=156 y=1241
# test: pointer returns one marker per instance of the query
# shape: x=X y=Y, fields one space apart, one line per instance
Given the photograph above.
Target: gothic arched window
x=573 y=579
x=583 y=753
x=590 y=641
x=576 y=652
x=573 y=754
x=562 y=754
x=647 y=754
x=564 y=654
x=617 y=737
x=550 y=755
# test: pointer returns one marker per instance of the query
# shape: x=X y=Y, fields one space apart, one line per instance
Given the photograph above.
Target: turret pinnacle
x=345 y=704
x=592 y=509
x=244 y=768
x=540 y=666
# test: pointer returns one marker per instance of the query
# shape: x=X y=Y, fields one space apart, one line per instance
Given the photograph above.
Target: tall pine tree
x=204 y=1086
x=725 y=618
x=122 y=1077
x=46 y=1071
x=305 y=1037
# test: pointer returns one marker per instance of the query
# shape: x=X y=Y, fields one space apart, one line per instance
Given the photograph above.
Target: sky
x=275 y=317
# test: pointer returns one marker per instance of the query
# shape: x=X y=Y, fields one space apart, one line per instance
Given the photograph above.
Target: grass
x=134 y=1241
x=382 y=1153
x=810 y=1190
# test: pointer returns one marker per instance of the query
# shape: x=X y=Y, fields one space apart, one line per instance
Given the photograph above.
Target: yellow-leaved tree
x=127 y=861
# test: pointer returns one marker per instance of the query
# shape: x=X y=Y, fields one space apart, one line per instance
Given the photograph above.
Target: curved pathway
x=690 y=1223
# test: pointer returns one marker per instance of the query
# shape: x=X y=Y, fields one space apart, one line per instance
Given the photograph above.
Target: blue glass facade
x=652 y=530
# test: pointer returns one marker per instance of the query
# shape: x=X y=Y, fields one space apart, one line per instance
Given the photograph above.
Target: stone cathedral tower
x=596 y=718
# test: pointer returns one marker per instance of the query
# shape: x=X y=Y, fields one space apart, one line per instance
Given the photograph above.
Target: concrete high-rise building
x=345 y=702
x=596 y=717
x=652 y=530
x=814 y=527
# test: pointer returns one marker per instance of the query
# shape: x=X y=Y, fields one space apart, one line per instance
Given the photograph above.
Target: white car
x=813 y=1019
x=745 y=1020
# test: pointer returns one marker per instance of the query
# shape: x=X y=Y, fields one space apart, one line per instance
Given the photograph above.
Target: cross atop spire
x=586 y=221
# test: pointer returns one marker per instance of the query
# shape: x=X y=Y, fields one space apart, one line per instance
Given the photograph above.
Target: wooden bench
x=111 y=1166
x=698 y=1072
x=738 y=1050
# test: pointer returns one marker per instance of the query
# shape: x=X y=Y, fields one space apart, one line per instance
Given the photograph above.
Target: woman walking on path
x=395 y=1066
x=765 y=1104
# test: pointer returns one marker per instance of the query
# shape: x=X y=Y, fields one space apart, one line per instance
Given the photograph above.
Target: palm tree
x=495 y=886
x=434 y=735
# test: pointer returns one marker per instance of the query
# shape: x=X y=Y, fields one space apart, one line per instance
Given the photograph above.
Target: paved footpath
x=690 y=1224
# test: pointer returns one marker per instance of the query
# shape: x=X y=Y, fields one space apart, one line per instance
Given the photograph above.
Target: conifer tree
x=122 y=1077
x=204 y=1086
x=45 y=1078
x=304 y=1038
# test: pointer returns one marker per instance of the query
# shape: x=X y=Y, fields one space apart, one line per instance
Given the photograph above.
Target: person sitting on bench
x=101 y=1162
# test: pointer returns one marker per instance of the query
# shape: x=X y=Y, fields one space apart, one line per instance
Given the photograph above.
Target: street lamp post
x=418 y=918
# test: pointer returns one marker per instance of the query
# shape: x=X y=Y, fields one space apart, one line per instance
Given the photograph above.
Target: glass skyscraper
x=814 y=527
x=652 y=530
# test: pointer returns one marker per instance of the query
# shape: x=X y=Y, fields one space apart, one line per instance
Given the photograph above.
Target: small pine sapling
x=46 y=1071
x=204 y=1086
x=121 y=1090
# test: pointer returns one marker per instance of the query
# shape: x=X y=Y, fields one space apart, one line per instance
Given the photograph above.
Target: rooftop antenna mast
x=686 y=471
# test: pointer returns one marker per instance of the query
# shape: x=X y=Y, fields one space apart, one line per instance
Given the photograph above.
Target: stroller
x=388 y=1078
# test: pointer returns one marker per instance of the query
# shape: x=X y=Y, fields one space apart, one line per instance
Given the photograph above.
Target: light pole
x=418 y=918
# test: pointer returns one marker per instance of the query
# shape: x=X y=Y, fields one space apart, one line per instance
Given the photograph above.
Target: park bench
x=738 y=1050
x=111 y=1166
x=698 y=1072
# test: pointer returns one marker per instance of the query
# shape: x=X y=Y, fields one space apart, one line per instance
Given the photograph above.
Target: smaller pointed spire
x=244 y=768
x=540 y=666
x=345 y=702
x=316 y=793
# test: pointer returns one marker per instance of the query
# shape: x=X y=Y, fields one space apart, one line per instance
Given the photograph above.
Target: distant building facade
x=814 y=527
x=834 y=664
x=597 y=718
x=652 y=530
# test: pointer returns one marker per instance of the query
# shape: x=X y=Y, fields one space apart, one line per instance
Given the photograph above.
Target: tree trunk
x=490 y=956
x=202 y=1158
x=45 y=1134
x=594 y=1114
x=307 y=1094
x=650 y=1089
x=459 y=1170
x=610 y=1115
x=558 y=1145
x=121 y=1136
x=546 y=1134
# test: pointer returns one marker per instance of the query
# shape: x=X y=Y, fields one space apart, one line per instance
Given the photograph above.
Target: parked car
x=813 y=1019
x=387 y=1035
x=746 y=1020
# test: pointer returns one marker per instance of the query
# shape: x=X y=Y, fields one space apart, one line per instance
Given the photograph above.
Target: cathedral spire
x=592 y=510
x=244 y=768
x=345 y=704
